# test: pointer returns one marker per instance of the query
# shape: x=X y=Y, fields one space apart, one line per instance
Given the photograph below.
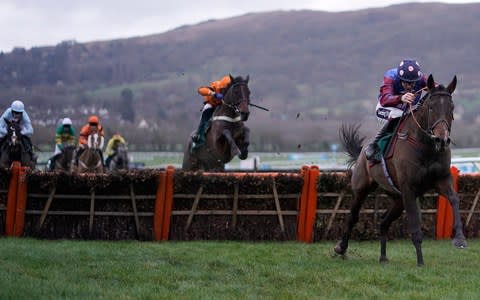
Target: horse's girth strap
x=227 y=119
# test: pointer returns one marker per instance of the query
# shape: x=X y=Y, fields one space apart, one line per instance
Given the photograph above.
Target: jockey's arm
x=387 y=97
x=27 y=128
x=205 y=91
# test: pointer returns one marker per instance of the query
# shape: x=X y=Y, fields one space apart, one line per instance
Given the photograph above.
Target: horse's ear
x=231 y=77
x=452 y=85
x=430 y=82
x=248 y=78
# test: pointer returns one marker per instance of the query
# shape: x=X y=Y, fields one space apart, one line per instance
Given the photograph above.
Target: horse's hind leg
x=359 y=197
x=391 y=215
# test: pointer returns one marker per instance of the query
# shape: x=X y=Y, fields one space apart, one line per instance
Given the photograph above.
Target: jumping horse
x=227 y=136
x=420 y=162
x=90 y=161
x=13 y=149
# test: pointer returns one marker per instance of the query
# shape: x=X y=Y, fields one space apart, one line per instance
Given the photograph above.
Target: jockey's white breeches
x=57 y=150
x=206 y=106
x=387 y=113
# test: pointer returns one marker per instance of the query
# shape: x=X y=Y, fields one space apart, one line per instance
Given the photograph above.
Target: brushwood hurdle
x=306 y=205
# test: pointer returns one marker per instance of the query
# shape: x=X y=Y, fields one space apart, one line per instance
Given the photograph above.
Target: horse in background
x=65 y=159
x=13 y=149
x=227 y=135
x=120 y=160
x=420 y=162
x=90 y=160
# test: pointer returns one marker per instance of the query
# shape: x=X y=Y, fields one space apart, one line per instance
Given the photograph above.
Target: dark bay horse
x=120 y=160
x=227 y=136
x=64 y=160
x=13 y=149
x=90 y=161
x=420 y=162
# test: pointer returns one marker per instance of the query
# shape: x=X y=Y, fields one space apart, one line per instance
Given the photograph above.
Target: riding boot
x=199 y=137
x=108 y=160
x=372 y=151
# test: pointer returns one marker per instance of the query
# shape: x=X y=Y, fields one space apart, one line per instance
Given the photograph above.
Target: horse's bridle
x=429 y=130
x=243 y=89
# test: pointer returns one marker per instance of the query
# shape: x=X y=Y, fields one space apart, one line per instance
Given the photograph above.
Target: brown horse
x=420 y=162
x=13 y=148
x=90 y=161
x=227 y=136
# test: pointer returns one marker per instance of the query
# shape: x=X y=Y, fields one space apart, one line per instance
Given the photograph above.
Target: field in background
x=466 y=160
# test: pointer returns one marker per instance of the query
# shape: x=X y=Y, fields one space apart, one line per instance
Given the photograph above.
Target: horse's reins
x=428 y=131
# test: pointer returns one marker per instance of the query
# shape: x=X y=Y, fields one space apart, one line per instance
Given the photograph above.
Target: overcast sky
x=30 y=23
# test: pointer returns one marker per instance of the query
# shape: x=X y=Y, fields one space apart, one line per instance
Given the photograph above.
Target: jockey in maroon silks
x=399 y=89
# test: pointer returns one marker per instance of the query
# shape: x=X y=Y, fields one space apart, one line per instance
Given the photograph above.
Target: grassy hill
x=312 y=69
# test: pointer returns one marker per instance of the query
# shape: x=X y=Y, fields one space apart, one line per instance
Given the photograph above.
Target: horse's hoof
x=459 y=243
x=383 y=260
x=243 y=155
x=339 y=250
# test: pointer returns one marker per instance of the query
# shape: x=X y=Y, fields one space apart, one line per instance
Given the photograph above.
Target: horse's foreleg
x=391 y=215
x=245 y=143
x=414 y=226
x=234 y=150
x=445 y=189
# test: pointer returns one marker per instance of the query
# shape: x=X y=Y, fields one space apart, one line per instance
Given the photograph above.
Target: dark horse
x=420 y=162
x=119 y=161
x=64 y=160
x=227 y=136
x=13 y=149
x=90 y=161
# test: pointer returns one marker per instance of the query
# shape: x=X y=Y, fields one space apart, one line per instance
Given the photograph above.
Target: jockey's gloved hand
x=219 y=96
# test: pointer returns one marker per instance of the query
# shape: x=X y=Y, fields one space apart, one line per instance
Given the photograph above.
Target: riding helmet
x=17 y=106
x=66 y=121
x=409 y=70
x=93 y=120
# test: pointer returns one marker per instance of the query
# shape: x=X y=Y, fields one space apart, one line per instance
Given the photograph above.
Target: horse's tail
x=351 y=141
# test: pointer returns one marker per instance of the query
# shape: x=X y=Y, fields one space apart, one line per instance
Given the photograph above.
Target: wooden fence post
x=12 y=199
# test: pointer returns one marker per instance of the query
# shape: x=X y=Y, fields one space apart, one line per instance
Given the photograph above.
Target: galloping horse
x=90 y=161
x=120 y=160
x=420 y=162
x=227 y=136
x=64 y=160
x=12 y=148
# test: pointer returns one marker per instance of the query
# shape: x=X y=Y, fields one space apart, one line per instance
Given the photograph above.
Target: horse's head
x=95 y=141
x=237 y=96
x=13 y=131
x=436 y=112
